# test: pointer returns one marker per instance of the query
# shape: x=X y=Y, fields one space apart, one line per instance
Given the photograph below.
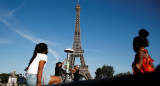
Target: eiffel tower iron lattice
x=77 y=47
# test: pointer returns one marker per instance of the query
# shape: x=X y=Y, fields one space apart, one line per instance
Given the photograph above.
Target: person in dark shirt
x=58 y=69
x=76 y=73
x=21 y=80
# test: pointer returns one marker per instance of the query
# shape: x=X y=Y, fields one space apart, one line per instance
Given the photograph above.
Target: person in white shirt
x=35 y=68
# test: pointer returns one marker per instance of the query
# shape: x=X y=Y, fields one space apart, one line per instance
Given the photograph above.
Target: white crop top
x=33 y=68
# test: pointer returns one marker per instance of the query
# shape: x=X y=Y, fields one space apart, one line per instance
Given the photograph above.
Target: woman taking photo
x=35 y=68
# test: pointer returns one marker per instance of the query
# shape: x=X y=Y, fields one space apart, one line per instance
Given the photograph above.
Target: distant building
x=12 y=80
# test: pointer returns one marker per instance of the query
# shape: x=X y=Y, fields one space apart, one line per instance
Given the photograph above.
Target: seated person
x=59 y=71
x=35 y=68
x=75 y=71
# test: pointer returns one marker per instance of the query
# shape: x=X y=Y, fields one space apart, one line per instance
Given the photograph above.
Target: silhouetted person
x=76 y=73
x=142 y=62
x=58 y=70
x=21 y=80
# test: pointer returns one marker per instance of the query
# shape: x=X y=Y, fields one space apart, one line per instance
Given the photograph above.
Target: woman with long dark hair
x=59 y=70
x=142 y=62
x=36 y=65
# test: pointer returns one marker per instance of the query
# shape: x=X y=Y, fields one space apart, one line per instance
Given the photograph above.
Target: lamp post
x=68 y=77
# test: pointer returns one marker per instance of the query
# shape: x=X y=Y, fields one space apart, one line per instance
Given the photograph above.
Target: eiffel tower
x=78 y=51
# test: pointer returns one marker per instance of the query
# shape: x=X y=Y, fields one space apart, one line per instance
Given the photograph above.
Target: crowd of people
x=141 y=64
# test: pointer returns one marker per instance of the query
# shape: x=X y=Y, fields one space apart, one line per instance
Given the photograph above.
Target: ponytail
x=33 y=57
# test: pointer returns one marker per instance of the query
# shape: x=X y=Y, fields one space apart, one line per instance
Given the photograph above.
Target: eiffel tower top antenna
x=78 y=1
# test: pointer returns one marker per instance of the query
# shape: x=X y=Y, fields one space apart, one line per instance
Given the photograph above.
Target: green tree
x=105 y=71
x=122 y=74
x=4 y=77
x=98 y=73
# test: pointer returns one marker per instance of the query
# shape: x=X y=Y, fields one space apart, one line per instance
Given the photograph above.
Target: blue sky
x=107 y=31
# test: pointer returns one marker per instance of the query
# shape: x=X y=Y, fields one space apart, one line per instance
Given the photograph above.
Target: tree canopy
x=123 y=74
x=105 y=71
x=4 y=77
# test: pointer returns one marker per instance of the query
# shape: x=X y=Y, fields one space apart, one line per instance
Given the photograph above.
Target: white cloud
x=6 y=23
x=5 y=13
x=7 y=17
x=26 y=36
x=37 y=40
x=55 y=54
x=46 y=41
x=4 y=42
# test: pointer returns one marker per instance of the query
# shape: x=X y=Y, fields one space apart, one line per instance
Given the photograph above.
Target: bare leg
x=54 y=80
